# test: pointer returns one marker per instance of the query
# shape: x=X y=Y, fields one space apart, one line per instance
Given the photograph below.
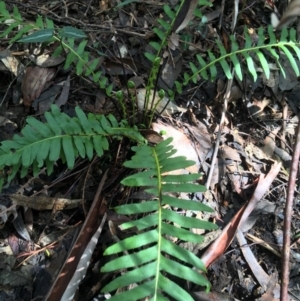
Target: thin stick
x=225 y=105
x=287 y=217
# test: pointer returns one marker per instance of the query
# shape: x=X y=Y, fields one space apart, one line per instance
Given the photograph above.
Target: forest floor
x=258 y=131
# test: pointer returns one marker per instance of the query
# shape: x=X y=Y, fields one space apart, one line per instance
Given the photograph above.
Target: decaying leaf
x=34 y=82
x=185 y=15
x=292 y=12
x=170 y=109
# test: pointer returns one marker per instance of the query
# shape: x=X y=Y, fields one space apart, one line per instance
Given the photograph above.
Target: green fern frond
x=154 y=258
x=62 y=137
x=253 y=55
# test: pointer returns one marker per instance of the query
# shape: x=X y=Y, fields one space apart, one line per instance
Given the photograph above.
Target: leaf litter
x=248 y=154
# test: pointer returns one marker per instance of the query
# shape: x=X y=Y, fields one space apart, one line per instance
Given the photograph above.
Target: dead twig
x=288 y=217
x=225 y=105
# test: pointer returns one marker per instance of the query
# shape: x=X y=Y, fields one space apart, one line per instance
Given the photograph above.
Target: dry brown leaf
x=292 y=12
x=161 y=103
x=218 y=247
x=34 y=82
x=185 y=15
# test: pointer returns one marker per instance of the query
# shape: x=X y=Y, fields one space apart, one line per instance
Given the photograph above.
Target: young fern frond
x=154 y=258
x=254 y=56
x=62 y=137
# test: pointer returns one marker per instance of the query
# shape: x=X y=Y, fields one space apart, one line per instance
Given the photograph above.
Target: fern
x=44 y=30
x=257 y=55
x=254 y=56
x=154 y=258
x=62 y=137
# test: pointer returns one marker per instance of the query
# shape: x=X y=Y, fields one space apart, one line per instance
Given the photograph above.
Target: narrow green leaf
x=49 y=165
x=79 y=66
x=10 y=144
x=181 y=178
x=151 y=57
x=185 y=221
x=263 y=62
x=144 y=178
x=71 y=57
x=182 y=254
x=159 y=33
x=261 y=37
x=184 y=272
x=89 y=148
x=112 y=119
x=195 y=71
x=83 y=120
x=97 y=142
x=39 y=126
x=3 y=11
x=24 y=171
x=184 y=204
x=276 y=56
x=78 y=141
x=181 y=233
x=137 y=293
x=39 y=22
x=55 y=148
x=16 y=158
x=26 y=157
x=96 y=76
x=16 y=14
x=52 y=123
x=14 y=171
x=176 y=163
x=35 y=149
x=284 y=35
x=81 y=47
x=68 y=151
x=57 y=52
x=296 y=49
x=142 y=223
x=250 y=65
x=35 y=168
x=137 y=275
x=49 y=23
x=271 y=35
x=212 y=67
x=133 y=242
x=155 y=45
x=203 y=65
x=137 y=208
x=20 y=33
x=92 y=66
x=30 y=134
x=105 y=124
x=290 y=58
x=164 y=24
x=226 y=68
x=39 y=36
x=43 y=152
x=237 y=66
x=131 y=260
x=173 y=289
x=169 y=12
x=72 y=32
x=8 y=30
